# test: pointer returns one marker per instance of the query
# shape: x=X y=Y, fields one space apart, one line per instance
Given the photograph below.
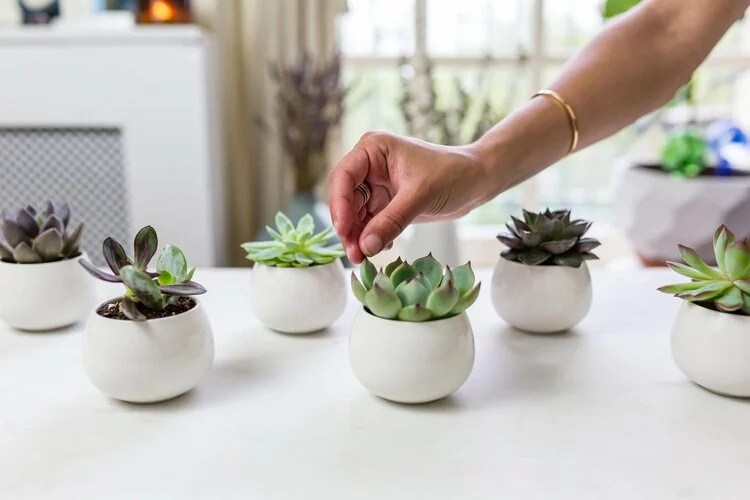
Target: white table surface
x=598 y=413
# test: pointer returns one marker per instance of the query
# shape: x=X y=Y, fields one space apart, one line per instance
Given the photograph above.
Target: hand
x=410 y=181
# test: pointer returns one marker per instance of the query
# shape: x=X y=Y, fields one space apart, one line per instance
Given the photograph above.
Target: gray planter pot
x=659 y=211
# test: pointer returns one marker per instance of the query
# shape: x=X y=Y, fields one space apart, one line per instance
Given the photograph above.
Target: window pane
x=476 y=27
x=378 y=28
x=373 y=102
x=570 y=24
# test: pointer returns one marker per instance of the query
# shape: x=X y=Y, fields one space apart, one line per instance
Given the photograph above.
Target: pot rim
x=362 y=310
x=75 y=259
x=632 y=164
x=703 y=309
x=95 y=312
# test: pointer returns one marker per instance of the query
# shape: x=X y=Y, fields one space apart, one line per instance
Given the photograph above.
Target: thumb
x=384 y=227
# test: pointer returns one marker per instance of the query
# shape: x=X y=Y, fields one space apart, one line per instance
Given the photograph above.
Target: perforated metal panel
x=83 y=166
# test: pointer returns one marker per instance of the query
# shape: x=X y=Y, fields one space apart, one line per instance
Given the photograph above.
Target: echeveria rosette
x=726 y=288
x=144 y=288
x=548 y=238
x=420 y=291
x=294 y=246
x=32 y=237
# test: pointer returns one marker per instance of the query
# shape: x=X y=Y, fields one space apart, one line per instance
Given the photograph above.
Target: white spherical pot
x=298 y=300
x=713 y=348
x=541 y=299
x=45 y=296
x=148 y=361
x=410 y=362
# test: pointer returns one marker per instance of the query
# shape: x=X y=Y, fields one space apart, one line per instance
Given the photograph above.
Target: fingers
x=386 y=225
x=349 y=172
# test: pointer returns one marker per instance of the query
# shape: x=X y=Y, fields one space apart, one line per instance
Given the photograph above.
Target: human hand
x=409 y=181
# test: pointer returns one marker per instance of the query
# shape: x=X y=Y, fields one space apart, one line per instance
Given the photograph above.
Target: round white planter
x=541 y=299
x=658 y=211
x=298 y=300
x=712 y=349
x=148 y=361
x=411 y=362
x=46 y=296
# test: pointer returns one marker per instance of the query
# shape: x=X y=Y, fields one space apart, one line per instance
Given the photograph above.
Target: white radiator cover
x=154 y=87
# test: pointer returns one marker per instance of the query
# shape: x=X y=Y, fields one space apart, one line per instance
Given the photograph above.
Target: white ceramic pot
x=713 y=349
x=46 y=296
x=541 y=299
x=298 y=300
x=658 y=211
x=411 y=362
x=148 y=361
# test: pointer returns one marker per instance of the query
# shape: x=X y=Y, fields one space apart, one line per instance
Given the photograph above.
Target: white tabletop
x=600 y=412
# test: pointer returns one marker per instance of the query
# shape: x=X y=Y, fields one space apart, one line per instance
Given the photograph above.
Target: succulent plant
x=548 y=238
x=726 y=288
x=685 y=153
x=146 y=290
x=294 y=246
x=31 y=237
x=420 y=291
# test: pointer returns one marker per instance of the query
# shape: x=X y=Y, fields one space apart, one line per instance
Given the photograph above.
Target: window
x=513 y=47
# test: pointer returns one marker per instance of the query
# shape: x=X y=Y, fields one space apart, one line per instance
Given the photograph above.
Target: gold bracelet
x=568 y=111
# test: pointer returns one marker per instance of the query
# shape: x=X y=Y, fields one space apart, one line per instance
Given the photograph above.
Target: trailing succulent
x=31 y=237
x=294 y=246
x=726 y=288
x=420 y=291
x=548 y=238
x=146 y=289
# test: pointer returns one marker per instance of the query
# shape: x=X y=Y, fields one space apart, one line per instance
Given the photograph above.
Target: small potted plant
x=297 y=283
x=41 y=286
x=412 y=341
x=711 y=336
x=542 y=283
x=154 y=342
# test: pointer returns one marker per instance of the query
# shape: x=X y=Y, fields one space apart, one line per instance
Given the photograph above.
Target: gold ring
x=364 y=189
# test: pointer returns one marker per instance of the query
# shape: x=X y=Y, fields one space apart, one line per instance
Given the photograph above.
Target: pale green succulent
x=726 y=288
x=294 y=246
x=420 y=291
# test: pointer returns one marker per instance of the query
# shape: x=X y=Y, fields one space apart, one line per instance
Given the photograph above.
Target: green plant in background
x=420 y=291
x=685 y=153
x=294 y=246
x=31 y=237
x=726 y=288
x=548 y=238
x=612 y=8
x=146 y=290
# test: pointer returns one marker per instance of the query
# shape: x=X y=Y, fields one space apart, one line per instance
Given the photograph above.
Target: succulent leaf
x=730 y=301
x=14 y=235
x=23 y=254
x=383 y=281
x=143 y=286
x=466 y=300
x=415 y=313
x=723 y=237
x=64 y=214
x=533 y=257
x=743 y=285
x=129 y=308
x=463 y=277
x=306 y=224
x=687 y=271
x=6 y=253
x=510 y=241
x=442 y=300
x=73 y=242
x=392 y=266
x=52 y=222
x=114 y=255
x=382 y=302
x=367 y=273
x=27 y=223
x=709 y=291
x=48 y=245
x=737 y=260
x=412 y=292
x=358 y=289
x=570 y=259
x=284 y=224
x=558 y=247
x=430 y=267
x=693 y=260
x=183 y=288
x=98 y=273
x=403 y=273
x=145 y=245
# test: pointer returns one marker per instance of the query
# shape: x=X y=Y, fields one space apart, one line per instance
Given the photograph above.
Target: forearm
x=631 y=68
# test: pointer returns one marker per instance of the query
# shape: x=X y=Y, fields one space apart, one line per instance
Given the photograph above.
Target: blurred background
x=205 y=117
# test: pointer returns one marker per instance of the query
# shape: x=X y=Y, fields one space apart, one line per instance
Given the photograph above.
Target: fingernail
x=371 y=245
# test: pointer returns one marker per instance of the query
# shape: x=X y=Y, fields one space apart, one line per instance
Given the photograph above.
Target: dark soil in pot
x=111 y=309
